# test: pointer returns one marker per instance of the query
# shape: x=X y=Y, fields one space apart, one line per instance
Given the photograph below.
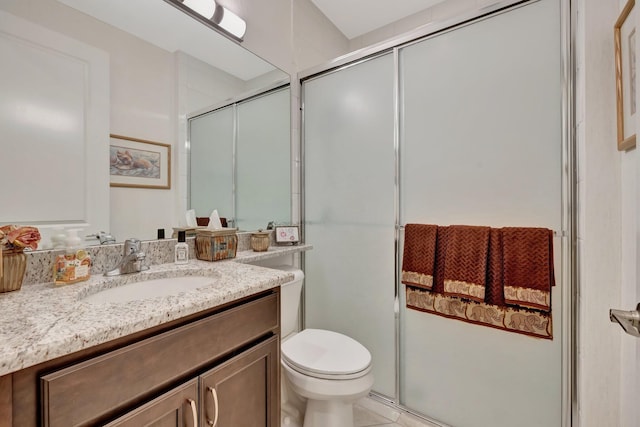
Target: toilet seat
x=326 y=354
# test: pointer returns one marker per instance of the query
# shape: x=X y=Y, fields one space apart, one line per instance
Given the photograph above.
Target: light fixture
x=215 y=16
x=205 y=8
x=229 y=21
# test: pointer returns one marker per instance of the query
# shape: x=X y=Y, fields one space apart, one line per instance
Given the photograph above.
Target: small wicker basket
x=13 y=264
x=260 y=241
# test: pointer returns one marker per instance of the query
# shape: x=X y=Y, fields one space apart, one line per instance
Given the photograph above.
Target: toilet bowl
x=326 y=371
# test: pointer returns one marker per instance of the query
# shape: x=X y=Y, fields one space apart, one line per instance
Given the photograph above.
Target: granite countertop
x=43 y=321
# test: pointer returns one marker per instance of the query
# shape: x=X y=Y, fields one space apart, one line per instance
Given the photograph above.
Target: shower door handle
x=629 y=320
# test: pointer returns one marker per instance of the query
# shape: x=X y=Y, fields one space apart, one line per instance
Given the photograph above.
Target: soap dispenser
x=182 y=249
x=73 y=242
x=74 y=266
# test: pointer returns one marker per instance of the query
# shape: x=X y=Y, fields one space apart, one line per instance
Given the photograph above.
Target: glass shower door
x=349 y=208
x=481 y=144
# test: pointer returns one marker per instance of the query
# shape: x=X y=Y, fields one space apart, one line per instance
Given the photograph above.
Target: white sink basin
x=149 y=289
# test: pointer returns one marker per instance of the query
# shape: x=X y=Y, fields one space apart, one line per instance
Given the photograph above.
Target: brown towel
x=465 y=262
x=418 y=259
x=441 y=252
x=495 y=291
x=528 y=275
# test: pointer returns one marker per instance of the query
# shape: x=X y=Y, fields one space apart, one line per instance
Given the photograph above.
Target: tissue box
x=216 y=245
x=188 y=231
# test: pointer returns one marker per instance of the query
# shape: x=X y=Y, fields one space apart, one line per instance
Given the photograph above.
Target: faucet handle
x=131 y=246
x=102 y=237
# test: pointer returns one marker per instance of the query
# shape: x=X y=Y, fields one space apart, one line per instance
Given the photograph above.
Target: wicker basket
x=260 y=241
x=216 y=245
x=13 y=264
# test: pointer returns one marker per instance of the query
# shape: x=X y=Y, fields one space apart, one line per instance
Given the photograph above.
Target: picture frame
x=139 y=163
x=624 y=32
x=287 y=234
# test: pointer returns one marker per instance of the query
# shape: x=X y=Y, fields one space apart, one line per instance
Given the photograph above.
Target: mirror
x=240 y=163
x=164 y=66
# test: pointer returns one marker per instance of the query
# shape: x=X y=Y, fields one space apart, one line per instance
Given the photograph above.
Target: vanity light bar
x=214 y=15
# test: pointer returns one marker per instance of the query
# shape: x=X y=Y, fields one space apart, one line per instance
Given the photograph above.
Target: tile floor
x=369 y=413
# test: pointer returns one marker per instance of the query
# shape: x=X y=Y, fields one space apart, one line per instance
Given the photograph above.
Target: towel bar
x=561 y=233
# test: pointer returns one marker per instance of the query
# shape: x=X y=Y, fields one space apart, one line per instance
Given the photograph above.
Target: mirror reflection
x=239 y=161
x=157 y=78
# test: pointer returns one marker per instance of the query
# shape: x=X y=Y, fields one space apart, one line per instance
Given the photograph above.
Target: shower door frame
x=569 y=179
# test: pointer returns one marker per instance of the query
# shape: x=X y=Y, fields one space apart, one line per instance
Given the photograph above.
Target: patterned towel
x=465 y=262
x=495 y=291
x=418 y=259
x=441 y=252
x=528 y=274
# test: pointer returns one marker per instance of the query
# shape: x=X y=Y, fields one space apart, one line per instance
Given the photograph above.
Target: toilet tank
x=290 y=300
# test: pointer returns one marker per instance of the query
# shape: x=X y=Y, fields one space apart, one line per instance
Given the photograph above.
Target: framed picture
x=287 y=234
x=624 y=32
x=139 y=163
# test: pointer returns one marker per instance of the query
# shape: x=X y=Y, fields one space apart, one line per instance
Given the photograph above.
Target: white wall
x=315 y=38
x=141 y=107
x=630 y=293
x=268 y=29
x=607 y=222
x=438 y=13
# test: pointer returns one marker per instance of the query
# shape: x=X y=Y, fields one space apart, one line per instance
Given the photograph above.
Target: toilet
x=324 y=372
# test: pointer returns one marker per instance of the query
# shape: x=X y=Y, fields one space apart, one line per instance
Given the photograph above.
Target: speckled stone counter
x=273 y=251
x=43 y=321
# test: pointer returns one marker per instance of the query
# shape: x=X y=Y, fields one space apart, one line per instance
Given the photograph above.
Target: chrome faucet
x=103 y=238
x=131 y=261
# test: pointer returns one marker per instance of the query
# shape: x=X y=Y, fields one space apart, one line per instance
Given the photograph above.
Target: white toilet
x=327 y=370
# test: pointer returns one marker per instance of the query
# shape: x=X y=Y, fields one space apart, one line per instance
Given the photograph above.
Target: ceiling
x=357 y=17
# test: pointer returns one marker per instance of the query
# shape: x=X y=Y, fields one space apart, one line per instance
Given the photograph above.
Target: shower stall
x=466 y=122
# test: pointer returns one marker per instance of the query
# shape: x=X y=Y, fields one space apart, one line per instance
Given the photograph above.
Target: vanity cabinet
x=223 y=361
x=240 y=392
x=175 y=408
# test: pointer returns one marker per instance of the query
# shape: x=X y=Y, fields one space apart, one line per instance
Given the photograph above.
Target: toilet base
x=329 y=403
x=323 y=413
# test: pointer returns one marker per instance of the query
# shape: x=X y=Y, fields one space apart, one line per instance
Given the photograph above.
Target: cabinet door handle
x=194 y=411
x=214 y=396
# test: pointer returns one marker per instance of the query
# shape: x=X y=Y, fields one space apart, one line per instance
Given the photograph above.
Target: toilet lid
x=316 y=351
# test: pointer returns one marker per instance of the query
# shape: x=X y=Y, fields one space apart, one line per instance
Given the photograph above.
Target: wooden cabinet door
x=245 y=390
x=175 y=408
